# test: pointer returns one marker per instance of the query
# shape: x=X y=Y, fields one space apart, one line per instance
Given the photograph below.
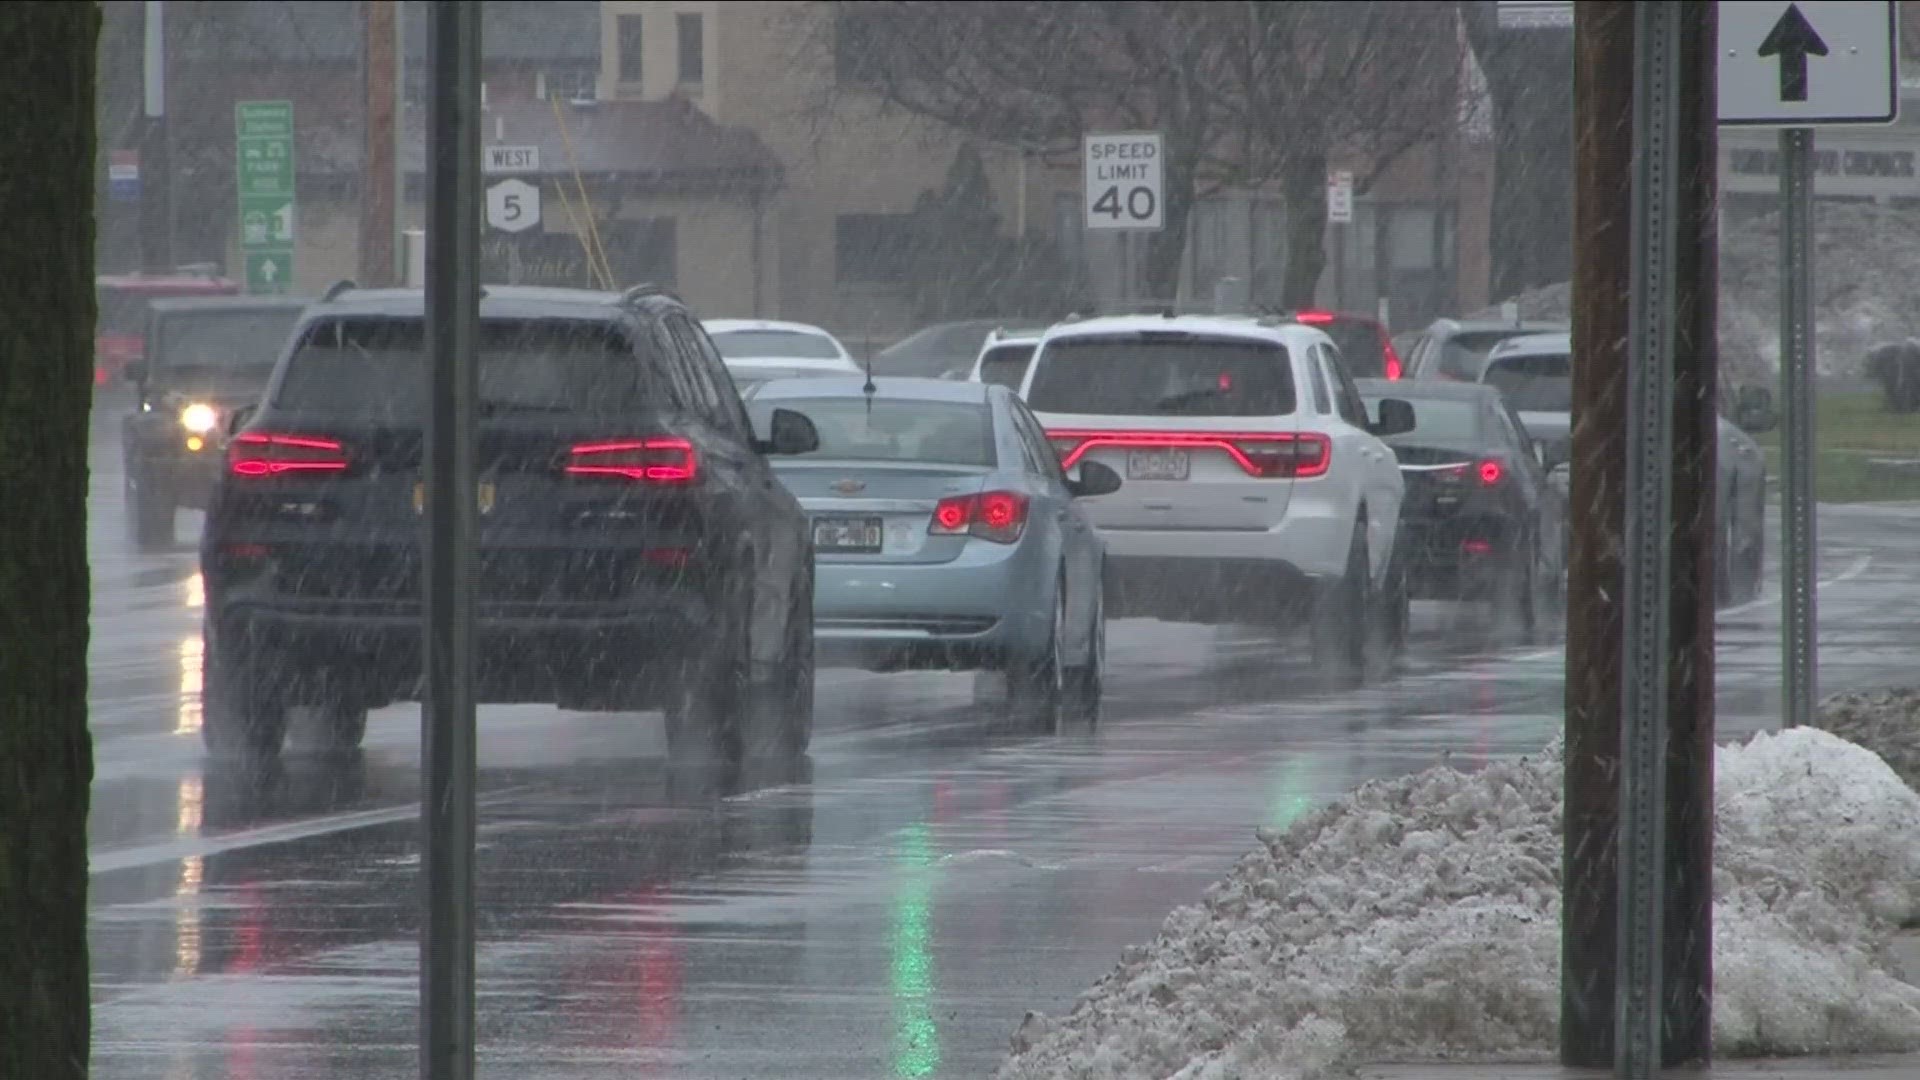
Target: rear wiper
x=1175 y=402
x=494 y=408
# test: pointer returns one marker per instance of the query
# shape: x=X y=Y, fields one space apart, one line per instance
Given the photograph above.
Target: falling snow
x=1419 y=918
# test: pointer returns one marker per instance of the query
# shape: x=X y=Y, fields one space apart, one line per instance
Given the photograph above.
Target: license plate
x=848 y=534
x=1158 y=464
x=484 y=497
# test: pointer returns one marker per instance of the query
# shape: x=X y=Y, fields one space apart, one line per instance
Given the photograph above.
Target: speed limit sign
x=1123 y=181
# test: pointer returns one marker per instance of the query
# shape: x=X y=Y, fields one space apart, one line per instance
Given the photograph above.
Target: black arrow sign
x=1793 y=39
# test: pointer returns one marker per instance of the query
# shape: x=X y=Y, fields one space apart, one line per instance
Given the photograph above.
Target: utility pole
x=1637 y=882
x=379 y=201
x=156 y=201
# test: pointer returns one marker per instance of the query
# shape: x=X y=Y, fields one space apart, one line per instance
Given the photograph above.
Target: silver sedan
x=946 y=536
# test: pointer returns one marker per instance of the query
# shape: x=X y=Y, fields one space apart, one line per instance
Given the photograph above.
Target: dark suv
x=205 y=357
x=635 y=548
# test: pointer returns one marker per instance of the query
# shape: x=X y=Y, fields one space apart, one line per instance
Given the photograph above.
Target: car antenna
x=868 y=388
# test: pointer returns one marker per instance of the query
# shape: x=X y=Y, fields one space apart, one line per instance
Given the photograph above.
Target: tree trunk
x=46 y=367
x=1168 y=247
x=1305 y=189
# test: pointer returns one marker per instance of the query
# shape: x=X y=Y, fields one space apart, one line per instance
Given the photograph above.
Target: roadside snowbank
x=1419 y=917
x=1886 y=722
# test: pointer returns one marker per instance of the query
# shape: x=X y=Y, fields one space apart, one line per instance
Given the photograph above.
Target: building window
x=631 y=50
x=693 y=53
x=873 y=249
x=569 y=84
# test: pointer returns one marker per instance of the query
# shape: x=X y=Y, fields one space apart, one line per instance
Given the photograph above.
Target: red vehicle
x=1363 y=342
x=121 y=334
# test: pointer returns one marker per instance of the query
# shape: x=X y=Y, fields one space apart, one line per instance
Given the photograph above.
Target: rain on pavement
x=890 y=905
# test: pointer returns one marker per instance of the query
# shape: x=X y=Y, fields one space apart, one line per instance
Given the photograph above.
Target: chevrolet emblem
x=484 y=497
x=849 y=486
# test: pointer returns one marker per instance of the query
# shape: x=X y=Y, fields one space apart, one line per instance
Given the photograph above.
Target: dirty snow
x=1419 y=918
x=1886 y=722
x=1861 y=296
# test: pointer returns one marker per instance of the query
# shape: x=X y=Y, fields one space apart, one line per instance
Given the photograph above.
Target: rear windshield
x=1006 y=365
x=1537 y=383
x=120 y=312
x=378 y=367
x=795 y=344
x=943 y=432
x=748 y=375
x=1462 y=354
x=225 y=339
x=1448 y=420
x=1163 y=375
x=1359 y=345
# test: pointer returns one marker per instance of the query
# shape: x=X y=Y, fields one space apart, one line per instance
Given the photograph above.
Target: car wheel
x=1517 y=593
x=1393 y=612
x=149 y=514
x=1725 y=573
x=1036 y=686
x=789 y=701
x=1752 y=564
x=341 y=726
x=702 y=717
x=1340 y=628
x=238 y=713
x=1088 y=681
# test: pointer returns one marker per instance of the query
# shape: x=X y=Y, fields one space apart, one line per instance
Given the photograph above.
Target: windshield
x=934 y=350
x=746 y=375
x=1006 y=365
x=225 y=339
x=377 y=367
x=791 y=344
x=943 y=432
x=1462 y=355
x=1440 y=419
x=1537 y=383
x=1173 y=375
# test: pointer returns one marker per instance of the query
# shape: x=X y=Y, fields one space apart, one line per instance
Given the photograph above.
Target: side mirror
x=1753 y=410
x=237 y=419
x=793 y=433
x=1396 y=417
x=1093 y=479
x=135 y=373
x=1561 y=476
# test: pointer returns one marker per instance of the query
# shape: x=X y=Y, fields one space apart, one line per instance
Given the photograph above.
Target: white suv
x=1257 y=487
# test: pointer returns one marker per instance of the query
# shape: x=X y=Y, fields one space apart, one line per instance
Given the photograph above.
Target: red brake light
x=1265 y=454
x=1477 y=547
x=259 y=453
x=1490 y=473
x=999 y=516
x=1314 y=318
x=664 y=459
x=1393 y=369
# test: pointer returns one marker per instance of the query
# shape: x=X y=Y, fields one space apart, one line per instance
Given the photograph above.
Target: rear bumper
x=990 y=603
x=1459 y=559
x=1208 y=589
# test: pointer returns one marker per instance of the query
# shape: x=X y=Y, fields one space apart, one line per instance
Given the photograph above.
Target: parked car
x=635 y=549
x=1536 y=376
x=1258 y=489
x=1480 y=520
x=203 y=359
x=941 y=350
x=756 y=350
x=1363 y=342
x=1456 y=349
x=946 y=535
x=1004 y=358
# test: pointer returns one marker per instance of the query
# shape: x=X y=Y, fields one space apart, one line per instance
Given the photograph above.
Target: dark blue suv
x=635 y=548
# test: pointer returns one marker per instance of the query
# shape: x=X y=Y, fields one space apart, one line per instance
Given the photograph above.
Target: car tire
x=150 y=514
x=702 y=717
x=1340 y=627
x=1087 y=683
x=1752 y=565
x=341 y=726
x=777 y=699
x=1517 y=592
x=1036 y=686
x=1393 y=612
x=238 y=712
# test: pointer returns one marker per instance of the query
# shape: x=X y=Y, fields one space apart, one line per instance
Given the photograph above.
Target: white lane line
x=1853 y=570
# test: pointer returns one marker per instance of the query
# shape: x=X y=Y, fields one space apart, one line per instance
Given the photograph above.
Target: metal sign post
x=447 y=751
x=1798 y=536
x=1651 y=333
x=1796 y=68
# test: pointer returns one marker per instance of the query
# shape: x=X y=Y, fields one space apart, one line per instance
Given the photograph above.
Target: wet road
x=888 y=908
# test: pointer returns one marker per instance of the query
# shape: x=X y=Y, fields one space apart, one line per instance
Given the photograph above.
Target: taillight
x=1313 y=318
x=1264 y=454
x=260 y=453
x=999 y=516
x=664 y=459
x=1393 y=368
x=1490 y=473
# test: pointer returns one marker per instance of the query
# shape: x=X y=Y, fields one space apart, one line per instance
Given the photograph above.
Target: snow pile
x=1884 y=721
x=1863 y=256
x=1419 y=917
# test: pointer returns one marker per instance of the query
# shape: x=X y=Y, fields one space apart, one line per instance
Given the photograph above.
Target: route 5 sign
x=513 y=206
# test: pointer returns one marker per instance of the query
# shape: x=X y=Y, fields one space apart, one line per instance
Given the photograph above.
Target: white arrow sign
x=513 y=206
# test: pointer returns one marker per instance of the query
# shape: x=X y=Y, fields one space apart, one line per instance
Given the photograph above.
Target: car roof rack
x=339 y=288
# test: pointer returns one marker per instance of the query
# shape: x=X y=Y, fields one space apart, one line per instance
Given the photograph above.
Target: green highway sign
x=263 y=176
x=269 y=271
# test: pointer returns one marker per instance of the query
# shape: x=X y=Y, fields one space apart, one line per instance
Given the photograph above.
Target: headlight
x=199 y=418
